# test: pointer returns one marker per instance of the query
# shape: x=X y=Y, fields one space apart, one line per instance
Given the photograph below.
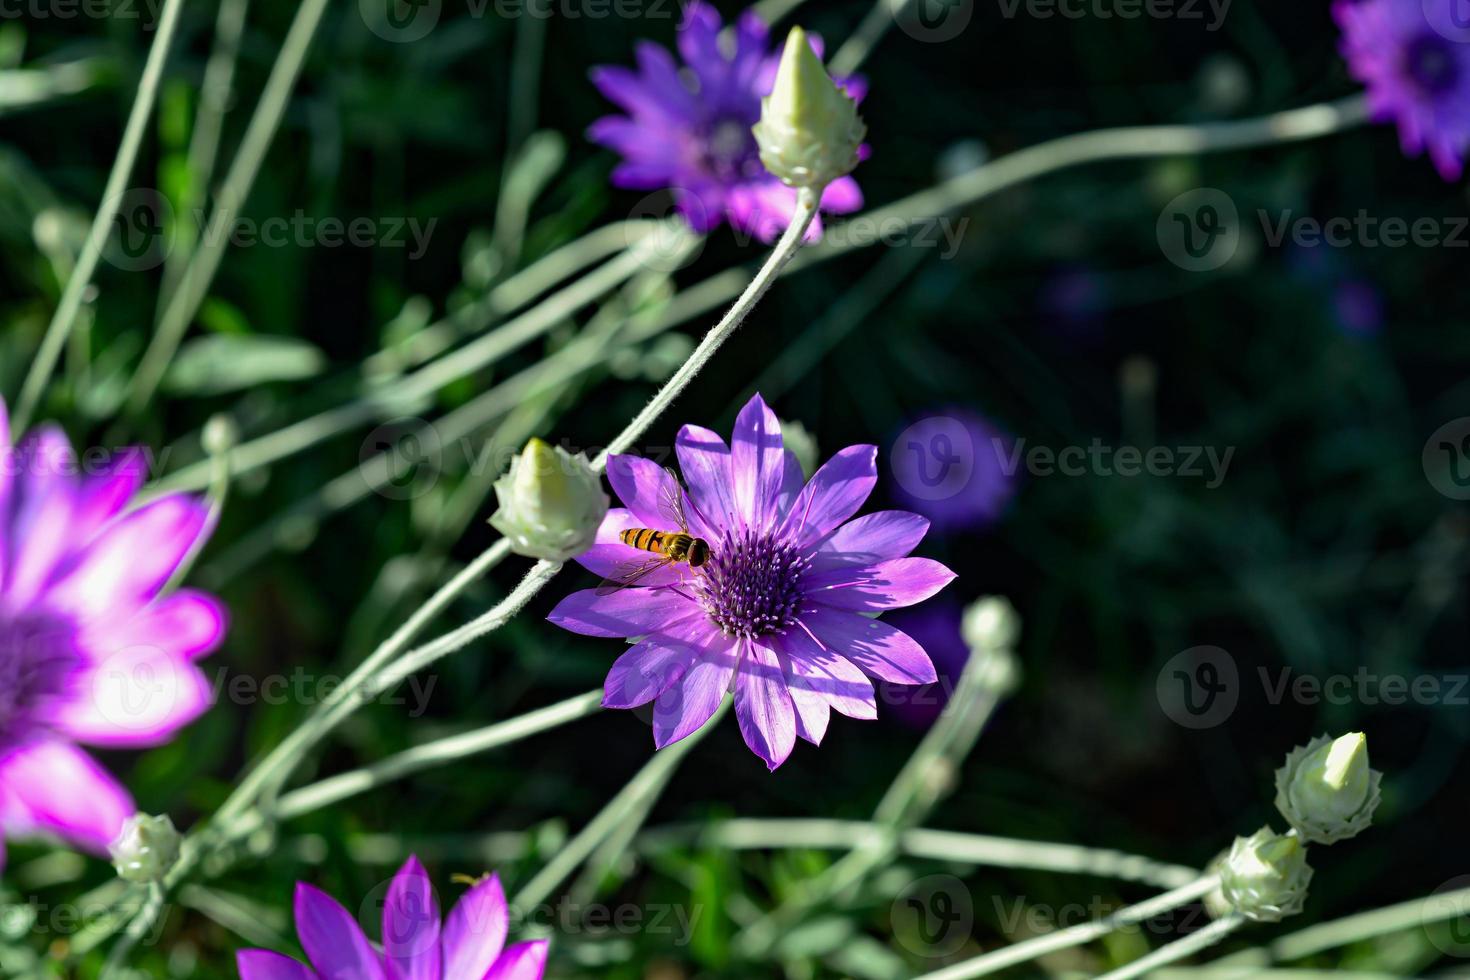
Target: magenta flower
x=1414 y=58
x=90 y=652
x=468 y=945
x=777 y=613
x=688 y=129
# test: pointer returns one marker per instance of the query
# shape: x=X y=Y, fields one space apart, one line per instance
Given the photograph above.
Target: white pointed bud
x=551 y=503
x=146 y=848
x=1326 y=790
x=1264 y=877
x=809 y=131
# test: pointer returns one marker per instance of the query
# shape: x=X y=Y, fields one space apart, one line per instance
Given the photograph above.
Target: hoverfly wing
x=672 y=503
x=630 y=573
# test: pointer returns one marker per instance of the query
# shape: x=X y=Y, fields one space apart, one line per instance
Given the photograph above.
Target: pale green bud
x=991 y=623
x=1326 y=790
x=803 y=446
x=551 y=503
x=809 y=131
x=146 y=848
x=1264 y=877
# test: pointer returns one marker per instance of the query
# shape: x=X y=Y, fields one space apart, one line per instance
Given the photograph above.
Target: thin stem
x=1180 y=948
x=786 y=249
x=639 y=793
x=65 y=316
x=259 y=133
x=1024 y=952
x=855 y=50
x=152 y=908
x=340 y=787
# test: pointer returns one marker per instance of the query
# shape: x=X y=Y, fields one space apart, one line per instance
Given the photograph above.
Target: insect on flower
x=671 y=547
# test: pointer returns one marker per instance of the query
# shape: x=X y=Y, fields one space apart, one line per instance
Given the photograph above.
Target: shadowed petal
x=411 y=925
x=812 y=710
x=474 y=933
x=609 y=557
x=332 y=938
x=53 y=786
x=880 y=650
x=523 y=961
x=870 y=539
x=627 y=612
x=886 y=585
x=757 y=463
x=792 y=480
x=262 y=964
x=705 y=463
x=646 y=671
x=812 y=668
x=649 y=492
x=763 y=705
x=688 y=704
x=835 y=493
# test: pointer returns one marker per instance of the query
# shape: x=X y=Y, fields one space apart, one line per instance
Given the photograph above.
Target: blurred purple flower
x=90 y=652
x=1359 y=308
x=777 y=612
x=955 y=468
x=469 y=945
x=936 y=627
x=688 y=129
x=1413 y=57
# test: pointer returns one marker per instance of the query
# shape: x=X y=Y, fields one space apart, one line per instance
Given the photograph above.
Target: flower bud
x=991 y=623
x=809 y=131
x=1264 y=877
x=802 y=444
x=551 y=503
x=146 y=848
x=1326 y=790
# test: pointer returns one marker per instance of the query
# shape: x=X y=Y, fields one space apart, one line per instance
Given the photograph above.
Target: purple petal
x=763 y=706
x=757 y=463
x=411 y=925
x=332 y=938
x=870 y=539
x=262 y=964
x=133 y=696
x=474 y=933
x=627 y=612
x=610 y=558
x=688 y=704
x=523 y=961
x=812 y=711
x=647 y=670
x=699 y=36
x=186 y=624
x=54 y=786
x=886 y=585
x=792 y=480
x=813 y=669
x=842 y=196
x=7 y=464
x=103 y=497
x=648 y=491
x=42 y=526
x=705 y=462
x=835 y=493
x=879 y=649
x=130 y=561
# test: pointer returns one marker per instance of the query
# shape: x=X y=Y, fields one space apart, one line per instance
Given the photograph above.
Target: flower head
x=956 y=468
x=91 y=650
x=1264 y=877
x=809 y=132
x=776 y=612
x=1414 y=58
x=468 y=945
x=146 y=848
x=551 y=502
x=690 y=130
x=1326 y=790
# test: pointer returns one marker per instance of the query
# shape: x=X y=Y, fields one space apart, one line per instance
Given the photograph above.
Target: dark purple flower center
x=1430 y=62
x=37 y=658
x=752 y=584
x=730 y=151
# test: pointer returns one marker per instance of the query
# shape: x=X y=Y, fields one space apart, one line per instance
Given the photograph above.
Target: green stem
x=65 y=316
x=1196 y=941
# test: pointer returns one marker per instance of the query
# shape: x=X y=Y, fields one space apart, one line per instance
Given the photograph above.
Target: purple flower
x=468 y=945
x=90 y=651
x=776 y=613
x=955 y=468
x=689 y=130
x=1414 y=58
x=935 y=625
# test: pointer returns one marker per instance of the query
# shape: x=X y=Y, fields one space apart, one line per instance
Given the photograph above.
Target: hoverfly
x=668 y=547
